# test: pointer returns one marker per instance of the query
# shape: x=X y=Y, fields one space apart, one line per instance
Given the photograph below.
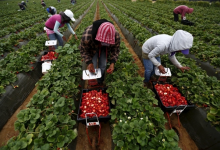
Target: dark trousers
x=176 y=17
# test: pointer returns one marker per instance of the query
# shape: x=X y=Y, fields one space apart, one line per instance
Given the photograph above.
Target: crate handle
x=178 y=111
x=92 y=124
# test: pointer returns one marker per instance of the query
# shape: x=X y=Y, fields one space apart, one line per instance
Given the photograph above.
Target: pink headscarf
x=190 y=10
x=106 y=33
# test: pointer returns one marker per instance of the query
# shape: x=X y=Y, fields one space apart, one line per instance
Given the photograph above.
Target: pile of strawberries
x=170 y=95
x=50 y=56
x=94 y=102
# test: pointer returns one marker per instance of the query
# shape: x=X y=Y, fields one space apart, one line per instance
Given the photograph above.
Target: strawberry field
x=137 y=122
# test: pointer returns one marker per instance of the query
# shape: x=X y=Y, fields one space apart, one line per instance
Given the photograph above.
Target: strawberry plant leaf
x=120 y=143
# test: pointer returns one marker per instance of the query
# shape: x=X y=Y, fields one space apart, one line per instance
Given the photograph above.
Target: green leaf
x=211 y=117
x=45 y=147
x=60 y=144
x=213 y=110
x=23 y=143
x=29 y=138
x=120 y=143
x=51 y=139
x=60 y=102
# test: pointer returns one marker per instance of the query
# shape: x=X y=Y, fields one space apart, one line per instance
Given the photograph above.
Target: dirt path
x=185 y=141
x=93 y=131
x=8 y=131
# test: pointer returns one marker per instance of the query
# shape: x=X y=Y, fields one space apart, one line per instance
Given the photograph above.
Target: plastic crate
x=171 y=108
x=101 y=118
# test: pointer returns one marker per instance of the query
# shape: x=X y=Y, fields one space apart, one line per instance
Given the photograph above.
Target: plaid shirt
x=88 y=47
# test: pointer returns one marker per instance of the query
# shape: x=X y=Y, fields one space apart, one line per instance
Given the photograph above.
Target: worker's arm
x=175 y=61
x=70 y=28
x=56 y=27
x=155 y=52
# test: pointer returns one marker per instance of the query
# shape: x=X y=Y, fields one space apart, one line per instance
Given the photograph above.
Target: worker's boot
x=153 y=78
x=148 y=85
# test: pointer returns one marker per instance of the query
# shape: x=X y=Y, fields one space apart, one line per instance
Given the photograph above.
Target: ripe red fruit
x=205 y=105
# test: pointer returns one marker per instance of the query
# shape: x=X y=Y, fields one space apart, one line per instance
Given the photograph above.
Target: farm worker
x=98 y=41
x=52 y=10
x=23 y=3
x=182 y=9
x=181 y=41
x=21 y=6
x=43 y=4
x=57 y=21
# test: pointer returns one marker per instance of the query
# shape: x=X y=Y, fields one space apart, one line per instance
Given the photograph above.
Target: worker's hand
x=111 y=68
x=64 y=38
x=161 y=69
x=90 y=67
x=184 y=68
x=184 y=18
x=76 y=37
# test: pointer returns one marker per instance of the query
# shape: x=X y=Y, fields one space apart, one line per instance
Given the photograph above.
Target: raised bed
x=194 y=120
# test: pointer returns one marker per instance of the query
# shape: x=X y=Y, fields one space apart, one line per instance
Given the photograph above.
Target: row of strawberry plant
x=164 y=25
x=38 y=17
x=136 y=123
x=139 y=32
x=20 y=60
x=47 y=124
x=31 y=11
x=194 y=80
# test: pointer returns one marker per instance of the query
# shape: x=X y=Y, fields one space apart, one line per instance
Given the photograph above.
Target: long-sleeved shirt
x=165 y=44
x=54 y=23
x=88 y=47
x=182 y=9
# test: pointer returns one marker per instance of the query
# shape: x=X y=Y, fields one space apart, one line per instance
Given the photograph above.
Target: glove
x=184 y=18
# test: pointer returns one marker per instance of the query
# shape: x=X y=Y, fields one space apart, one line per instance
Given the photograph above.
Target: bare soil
x=105 y=141
x=185 y=141
x=8 y=130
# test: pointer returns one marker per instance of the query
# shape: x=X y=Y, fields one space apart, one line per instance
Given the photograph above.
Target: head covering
x=48 y=9
x=106 y=33
x=185 y=52
x=69 y=14
x=95 y=26
x=181 y=41
x=64 y=18
x=190 y=10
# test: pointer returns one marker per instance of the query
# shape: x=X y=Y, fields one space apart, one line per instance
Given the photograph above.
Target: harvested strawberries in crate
x=170 y=98
x=94 y=101
x=170 y=95
x=49 y=56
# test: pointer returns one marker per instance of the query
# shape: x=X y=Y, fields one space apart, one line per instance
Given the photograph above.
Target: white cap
x=69 y=13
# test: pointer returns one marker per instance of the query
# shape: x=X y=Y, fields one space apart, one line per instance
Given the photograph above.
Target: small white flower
x=163 y=140
x=120 y=120
x=129 y=117
x=52 y=102
x=125 y=114
x=125 y=121
x=141 y=118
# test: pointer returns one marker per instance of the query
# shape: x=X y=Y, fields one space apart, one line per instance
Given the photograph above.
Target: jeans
x=54 y=36
x=176 y=17
x=149 y=68
x=101 y=63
